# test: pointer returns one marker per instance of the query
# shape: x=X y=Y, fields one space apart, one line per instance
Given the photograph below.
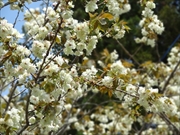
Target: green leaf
x=146 y=64
x=110 y=92
x=49 y=87
x=127 y=28
x=106 y=15
x=7 y=116
x=5 y=57
x=95 y=24
x=92 y=16
x=58 y=39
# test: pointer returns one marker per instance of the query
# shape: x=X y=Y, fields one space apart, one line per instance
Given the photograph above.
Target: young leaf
x=107 y=16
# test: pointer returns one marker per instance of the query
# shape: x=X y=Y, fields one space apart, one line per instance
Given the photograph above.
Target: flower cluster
x=34 y=24
x=82 y=41
x=39 y=48
x=174 y=55
x=150 y=25
x=8 y=33
x=118 y=7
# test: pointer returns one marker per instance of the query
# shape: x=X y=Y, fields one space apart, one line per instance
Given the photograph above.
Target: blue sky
x=10 y=15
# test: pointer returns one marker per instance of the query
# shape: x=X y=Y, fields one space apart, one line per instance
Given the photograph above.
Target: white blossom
x=7 y=32
x=91 y=6
x=150 y=4
x=118 y=68
x=22 y=50
x=89 y=74
x=107 y=81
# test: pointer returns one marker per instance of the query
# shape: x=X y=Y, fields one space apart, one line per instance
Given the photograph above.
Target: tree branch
x=137 y=50
x=127 y=93
x=55 y=8
x=165 y=118
x=157 y=52
x=26 y=114
x=47 y=53
x=19 y=93
x=16 y=19
x=6 y=4
x=32 y=15
x=3 y=99
x=126 y=51
x=10 y=98
x=170 y=77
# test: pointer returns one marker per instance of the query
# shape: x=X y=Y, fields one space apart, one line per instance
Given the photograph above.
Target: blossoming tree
x=50 y=92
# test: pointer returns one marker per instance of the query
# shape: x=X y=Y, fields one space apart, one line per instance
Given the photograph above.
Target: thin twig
x=89 y=100
x=16 y=19
x=126 y=51
x=62 y=130
x=127 y=93
x=26 y=114
x=170 y=77
x=3 y=99
x=52 y=59
x=55 y=8
x=166 y=119
x=10 y=98
x=7 y=84
x=19 y=93
x=6 y=4
x=47 y=4
x=137 y=50
x=157 y=52
x=47 y=53
x=32 y=15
